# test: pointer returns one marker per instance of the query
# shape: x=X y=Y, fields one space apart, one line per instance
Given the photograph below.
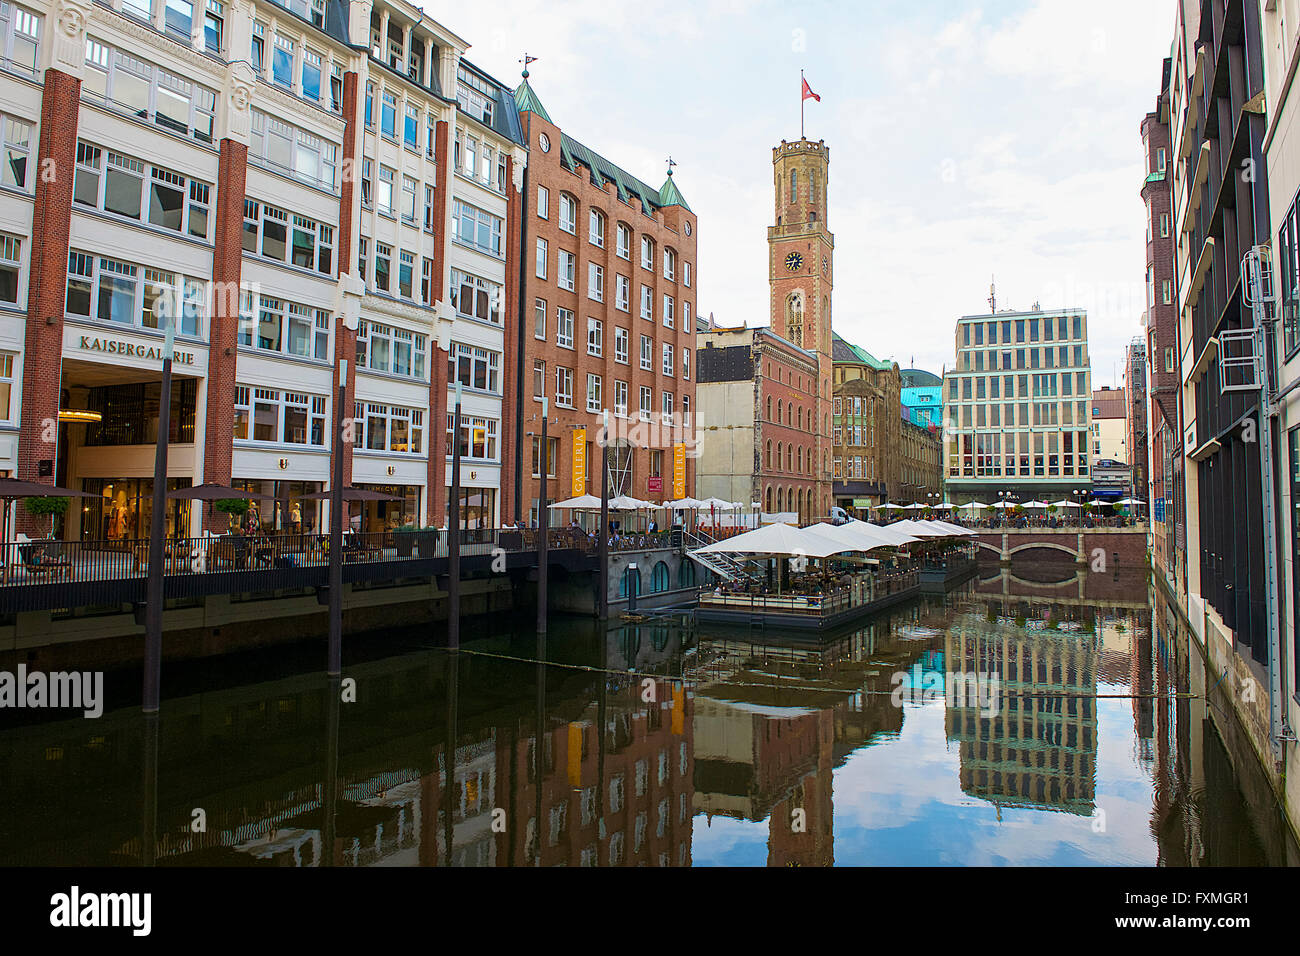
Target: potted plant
x=404 y=539
x=233 y=508
x=47 y=505
x=426 y=541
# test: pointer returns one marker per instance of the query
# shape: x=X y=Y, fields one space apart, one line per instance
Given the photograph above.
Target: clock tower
x=801 y=253
x=801 y=248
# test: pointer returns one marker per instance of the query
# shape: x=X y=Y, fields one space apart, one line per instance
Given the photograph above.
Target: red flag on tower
x=808 y=93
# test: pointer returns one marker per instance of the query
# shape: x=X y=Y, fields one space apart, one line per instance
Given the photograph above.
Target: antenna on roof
x=525 y=61
x=993 y=295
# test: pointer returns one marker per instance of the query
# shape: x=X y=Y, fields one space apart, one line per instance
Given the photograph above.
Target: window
x=11 y=267
x=406 y=275
x=6 y=386
x=667 y=408
x=594 y=399
x=388 y=115
x=474 y=367
x=668 y=359
x=541 y=259
x=384 y=193
x=620 y=345
x=647 y=353
x=411 y=128
x=430 y=223
x=389 y=428
x=622 y=292
x=383 y=266
x=111 y=290
x=552 y=456
x=285 y=237
x=147 y=91
x=686 y=364
x=595 y=337
x=282 y=61
x=408 y=198
x=596 y=228
x=312 y=74
x=426 y=280
x=623 y=245
x=564 y=328
x=128 y=187
x=478 y=437
x=595 y=282
x=668 y=311
x=568 y=213
x=294 y=152
x=475 y=297
x=564 y=386
x=686 y=274
x=270 y=415
x=20 y=31
x=367 y=183
x=472 y=226
x=288 y=328
x=539 y=379
x=394 y=351
x=620 y=398
x=647 y=253
x=686 y=411
x=647 y=402
x=539 y=319
x=15 y=151
x=475 y=95
x=565 y=270
x=647 y=303
x=670 y=264
x=543 y=203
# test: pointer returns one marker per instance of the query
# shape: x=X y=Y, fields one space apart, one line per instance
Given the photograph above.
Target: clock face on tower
x=794 y=262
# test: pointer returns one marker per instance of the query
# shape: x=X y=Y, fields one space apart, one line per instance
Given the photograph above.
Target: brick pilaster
x=436 y=494
x=345 y=339
x=223 y=332
x=51 y=228
x=510 y=451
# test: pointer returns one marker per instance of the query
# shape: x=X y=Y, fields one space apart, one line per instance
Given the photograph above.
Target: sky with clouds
x=967 y=140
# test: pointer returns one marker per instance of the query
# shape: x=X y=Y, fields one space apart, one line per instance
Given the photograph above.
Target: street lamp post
x=543 y=521
x=153 y=608
x=453 y=534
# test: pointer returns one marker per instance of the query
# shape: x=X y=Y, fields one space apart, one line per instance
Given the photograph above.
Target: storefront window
x=477 y=508
x=283 y=505
x=123 y=509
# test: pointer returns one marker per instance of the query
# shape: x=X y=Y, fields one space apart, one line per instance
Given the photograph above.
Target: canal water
x=1056 y=719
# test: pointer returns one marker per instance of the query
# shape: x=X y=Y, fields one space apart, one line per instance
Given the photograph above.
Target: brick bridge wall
x=1066 y=543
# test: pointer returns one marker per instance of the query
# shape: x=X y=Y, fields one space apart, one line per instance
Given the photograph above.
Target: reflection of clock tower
x=801 y=252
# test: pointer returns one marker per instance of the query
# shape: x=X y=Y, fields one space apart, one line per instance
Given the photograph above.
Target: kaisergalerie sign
x=150 y=352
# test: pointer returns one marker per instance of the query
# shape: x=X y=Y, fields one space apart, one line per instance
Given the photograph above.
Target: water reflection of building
x=621 y=797
x=1038 y=747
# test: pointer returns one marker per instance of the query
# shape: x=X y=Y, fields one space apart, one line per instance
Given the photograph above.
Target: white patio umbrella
x=779 y=540
x=1035 y=504
x=1003 y=506
x=915 y=506
x=945 y=505
x=892 y=533
x=628 y=503
x=1128 y=501
x=890 y=507
x=974 y=506
x=954 y=529
x=718 y=504
x=858 y=535
x=685 y=504
x=1066 y=504
x=580 y=503
x=920 y=529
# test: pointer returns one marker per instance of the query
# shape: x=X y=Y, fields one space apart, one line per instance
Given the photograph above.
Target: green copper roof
x=526 y=100
x=841 y=349
x=670 y=195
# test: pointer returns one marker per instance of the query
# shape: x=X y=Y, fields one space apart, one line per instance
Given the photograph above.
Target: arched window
x=780 y=448
x=800 y=418
x=794 y=185
x=779 y=406
x=660 y=579
x=769 y=408
x=769 y=454
x=686 y=574
x=631 y=583
x=801 y=503
x=800 y=461
x=596 y=228
x=789 y=458
x=794 y=318
x=780 y=499
x=767 y=500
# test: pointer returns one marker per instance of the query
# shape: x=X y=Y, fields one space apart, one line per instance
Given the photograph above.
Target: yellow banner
x=575 y=755
x=579 y=462
x=679 y=472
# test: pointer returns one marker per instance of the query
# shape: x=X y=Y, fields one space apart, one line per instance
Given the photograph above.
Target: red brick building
x=605 y=322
